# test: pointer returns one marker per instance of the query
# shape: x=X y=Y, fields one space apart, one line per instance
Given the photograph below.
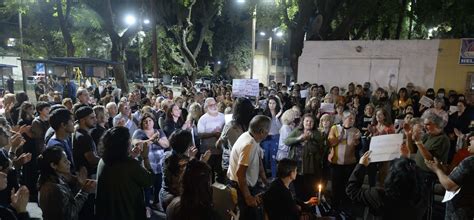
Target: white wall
x=13 y=61
x=338 y=62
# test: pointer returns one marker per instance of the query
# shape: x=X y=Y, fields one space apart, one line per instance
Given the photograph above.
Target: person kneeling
x=278 y=201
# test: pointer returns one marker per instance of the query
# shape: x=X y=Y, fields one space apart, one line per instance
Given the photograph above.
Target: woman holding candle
x=307 y=141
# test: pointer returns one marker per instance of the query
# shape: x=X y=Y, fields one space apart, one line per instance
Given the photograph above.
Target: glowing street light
x=240 y=1
x=262 y=33
x=130 y=20
x=219 y=62
x=279 y=34
x=146 y=21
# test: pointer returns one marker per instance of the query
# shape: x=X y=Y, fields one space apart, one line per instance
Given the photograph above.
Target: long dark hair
x=404 y=180
x=242 y=112
x=196 y=197
x=115 y=144
x=47 y=173
x=169 y=114
x=277 y=108
x=180 y=141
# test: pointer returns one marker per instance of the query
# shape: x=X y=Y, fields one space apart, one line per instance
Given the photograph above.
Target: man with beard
x=209 y=130
x=84 y=149
x=84 y=153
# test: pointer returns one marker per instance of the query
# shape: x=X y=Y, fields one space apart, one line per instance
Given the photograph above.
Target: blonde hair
x=9 y=99
x=288 y=117
x=195 y=111
x=325 y=117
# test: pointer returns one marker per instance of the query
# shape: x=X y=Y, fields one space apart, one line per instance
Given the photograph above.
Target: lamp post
x=131 y=20
x=278 y=34
x=20 y=26
x=254 y=25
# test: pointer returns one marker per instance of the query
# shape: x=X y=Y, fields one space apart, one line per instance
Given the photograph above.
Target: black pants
x=215 y=162
x=339 y=177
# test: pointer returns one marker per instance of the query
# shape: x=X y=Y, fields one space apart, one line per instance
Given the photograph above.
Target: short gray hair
x=259 y=124
x=206 y=102
x=435 y=119
x=111 y=105
x=80 y=91
x=347 y=113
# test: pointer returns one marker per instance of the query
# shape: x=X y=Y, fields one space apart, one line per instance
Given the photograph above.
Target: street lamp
x=130 y=20
x=262 y=33
x=219 y=62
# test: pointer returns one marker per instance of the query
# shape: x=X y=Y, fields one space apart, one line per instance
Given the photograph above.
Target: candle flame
x=319 y=187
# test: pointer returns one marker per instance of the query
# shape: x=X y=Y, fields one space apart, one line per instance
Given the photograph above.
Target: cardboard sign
x=245 y=87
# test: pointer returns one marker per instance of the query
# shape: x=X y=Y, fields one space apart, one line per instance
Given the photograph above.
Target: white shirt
x=209 y=124
x=245 y=152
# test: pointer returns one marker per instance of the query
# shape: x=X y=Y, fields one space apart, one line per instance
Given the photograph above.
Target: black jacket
x=382 y=205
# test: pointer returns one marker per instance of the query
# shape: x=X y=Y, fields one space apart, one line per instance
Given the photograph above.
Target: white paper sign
x=450 y=195
x=398 y=123
x=327 y=108
x=304 y=93
x=426 y=101
x=385 y=147
x=227 y=118
x=245 y=87
x=453 y=109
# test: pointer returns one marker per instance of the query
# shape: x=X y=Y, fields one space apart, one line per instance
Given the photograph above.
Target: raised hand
x=191 y=152
x=365 y=159
x=89 y=185
x=20 y=199
x=205 y=157
x=24 y=158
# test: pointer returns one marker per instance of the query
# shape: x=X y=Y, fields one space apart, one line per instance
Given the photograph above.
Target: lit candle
x=319 y=193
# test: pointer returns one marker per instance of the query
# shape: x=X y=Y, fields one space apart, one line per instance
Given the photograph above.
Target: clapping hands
x=19 y=199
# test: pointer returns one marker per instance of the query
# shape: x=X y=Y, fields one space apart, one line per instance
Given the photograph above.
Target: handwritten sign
x=426 y=101
x=327 y=108
x=245 y=87
x=385 y=147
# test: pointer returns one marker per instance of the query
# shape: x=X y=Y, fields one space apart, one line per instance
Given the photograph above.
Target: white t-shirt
x=209 y=124
x=245 y=152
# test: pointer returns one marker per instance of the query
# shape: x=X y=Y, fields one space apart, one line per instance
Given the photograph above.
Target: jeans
x=270 y=147
x=153 y=192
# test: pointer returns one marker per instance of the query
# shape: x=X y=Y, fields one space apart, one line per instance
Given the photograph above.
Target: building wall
x=340 y=62
x=449 y=74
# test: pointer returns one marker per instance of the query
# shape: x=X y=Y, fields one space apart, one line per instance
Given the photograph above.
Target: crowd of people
x=94 y=153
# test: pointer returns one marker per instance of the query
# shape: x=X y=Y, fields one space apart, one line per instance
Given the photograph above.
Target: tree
x=110 y=22
x=231 y=41
x=189 y=23
x=64 y=23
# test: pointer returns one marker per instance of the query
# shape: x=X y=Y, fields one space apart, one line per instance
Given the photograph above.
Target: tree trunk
x=116 y=54
x=154 y=43
x=63 y=23
x=401 y=15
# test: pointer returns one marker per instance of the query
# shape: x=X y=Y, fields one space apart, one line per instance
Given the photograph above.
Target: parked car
x=34 y=79
x=177 y=79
